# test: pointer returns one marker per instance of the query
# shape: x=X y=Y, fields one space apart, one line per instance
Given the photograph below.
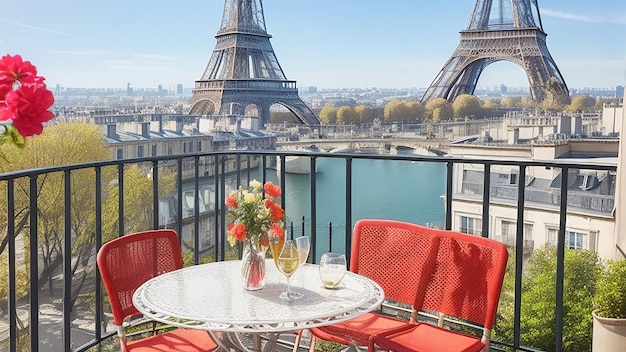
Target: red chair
x=397 y=256
x=127 y=262
x=466 y=284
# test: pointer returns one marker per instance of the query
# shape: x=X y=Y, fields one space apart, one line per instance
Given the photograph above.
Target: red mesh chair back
x=397 y=255
x=468 y=278
x=128 y=261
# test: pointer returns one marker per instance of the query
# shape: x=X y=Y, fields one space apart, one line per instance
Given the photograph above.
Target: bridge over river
x=390 y=145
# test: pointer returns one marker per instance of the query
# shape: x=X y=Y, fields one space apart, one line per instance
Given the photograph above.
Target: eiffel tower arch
x=243 y=74
x=501 y=30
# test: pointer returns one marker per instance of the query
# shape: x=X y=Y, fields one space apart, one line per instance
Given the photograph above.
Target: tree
x=581 y=102
x=416 y=110
x=538 y=319
x=439 y=109
x=399 y=110
x=491 y=103
x=466 y=105
x=553 y=101
x=61 y=144
x=328 y=115
x=365 y=114
x=138 y=207
x=511 y=102
x=283 y=116
x=347 y=116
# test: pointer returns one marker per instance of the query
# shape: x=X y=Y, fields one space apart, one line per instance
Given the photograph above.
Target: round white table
x=210 y=297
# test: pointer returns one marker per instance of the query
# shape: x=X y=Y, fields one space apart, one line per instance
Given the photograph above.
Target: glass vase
x=253 y=262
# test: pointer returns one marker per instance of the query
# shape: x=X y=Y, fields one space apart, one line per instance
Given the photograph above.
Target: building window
x=551 y=236
x=154 y=150
x=120 y=154
x=576 y=240
x=471 y=226
x=513 y=178
x=573 y=239
x=509 y=232
x=140 y=151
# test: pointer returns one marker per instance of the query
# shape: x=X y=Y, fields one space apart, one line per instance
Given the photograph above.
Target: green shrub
x=610 y=299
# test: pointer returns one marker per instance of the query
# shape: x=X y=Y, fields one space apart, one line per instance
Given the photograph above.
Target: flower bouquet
x=253 y=216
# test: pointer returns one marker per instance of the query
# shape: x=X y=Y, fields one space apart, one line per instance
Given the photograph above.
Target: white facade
x=590 y=223
x=612 y=116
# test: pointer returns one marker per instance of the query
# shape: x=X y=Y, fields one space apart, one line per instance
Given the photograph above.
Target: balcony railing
x=55 y=220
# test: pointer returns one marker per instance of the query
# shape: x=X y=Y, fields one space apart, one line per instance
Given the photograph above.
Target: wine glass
x=288 y=262
x=276 y=246
x=303 y=244
x=332 y=269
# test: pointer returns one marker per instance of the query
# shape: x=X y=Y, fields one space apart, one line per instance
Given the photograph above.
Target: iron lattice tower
x=243 y=74
x=501 y=30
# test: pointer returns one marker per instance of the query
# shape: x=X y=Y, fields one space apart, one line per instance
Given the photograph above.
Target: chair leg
x=296 y=343
x=312 y=344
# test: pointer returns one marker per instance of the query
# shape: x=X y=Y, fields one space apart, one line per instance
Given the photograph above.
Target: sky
x=322 y=43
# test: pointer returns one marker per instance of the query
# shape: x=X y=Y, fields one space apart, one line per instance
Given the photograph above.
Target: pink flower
x=14 y=69
x=27 y=107
x=24 y=98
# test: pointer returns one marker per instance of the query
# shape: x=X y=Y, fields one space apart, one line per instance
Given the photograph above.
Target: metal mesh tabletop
x=210 y=297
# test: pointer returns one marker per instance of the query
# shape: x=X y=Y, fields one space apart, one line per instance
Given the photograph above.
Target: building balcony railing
x=55 y=220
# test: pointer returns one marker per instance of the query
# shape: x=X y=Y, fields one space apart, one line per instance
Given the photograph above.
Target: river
x=381 y=189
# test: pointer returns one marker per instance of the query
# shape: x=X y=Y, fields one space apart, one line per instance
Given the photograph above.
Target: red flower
x=27 y=108
x=14 y=69
x=231 y=200
x=24 y=98
x=276 y=212
x=268 y=203
x=237 y=231
x=271 y=190
x=277 y=230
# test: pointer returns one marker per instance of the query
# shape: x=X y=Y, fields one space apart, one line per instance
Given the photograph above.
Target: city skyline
x=350 y=44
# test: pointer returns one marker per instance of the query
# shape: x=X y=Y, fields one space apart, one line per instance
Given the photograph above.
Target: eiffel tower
x=243 y=74
x=501 y=30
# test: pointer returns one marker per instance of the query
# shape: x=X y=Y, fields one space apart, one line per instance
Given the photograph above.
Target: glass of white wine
x=332 y=269
x=304 y=244
x=288 y=262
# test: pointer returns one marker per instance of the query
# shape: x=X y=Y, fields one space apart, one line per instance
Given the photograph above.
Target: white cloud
x=137 y=67
x=154 y=57
x=591 y=62
x=33 y=27
x=583 y=18
x=73 y=52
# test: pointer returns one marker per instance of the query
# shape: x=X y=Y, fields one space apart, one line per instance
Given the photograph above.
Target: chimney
x=145 y=129
x=112 y=131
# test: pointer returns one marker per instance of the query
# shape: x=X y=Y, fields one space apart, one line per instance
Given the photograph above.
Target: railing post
x=120 y=191
x=313 y=178
x=12 y=259
x=155 y=194
x=348 y=208
x=196 y=213
x=449 y=193
x=67 y=262
x=34 y=266
x=486 y=196
x=519 y=255
x=560 y=260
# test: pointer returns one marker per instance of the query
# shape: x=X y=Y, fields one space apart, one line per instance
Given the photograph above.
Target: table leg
x=232 y=342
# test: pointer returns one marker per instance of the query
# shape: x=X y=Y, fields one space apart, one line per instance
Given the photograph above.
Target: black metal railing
x=57 y=218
